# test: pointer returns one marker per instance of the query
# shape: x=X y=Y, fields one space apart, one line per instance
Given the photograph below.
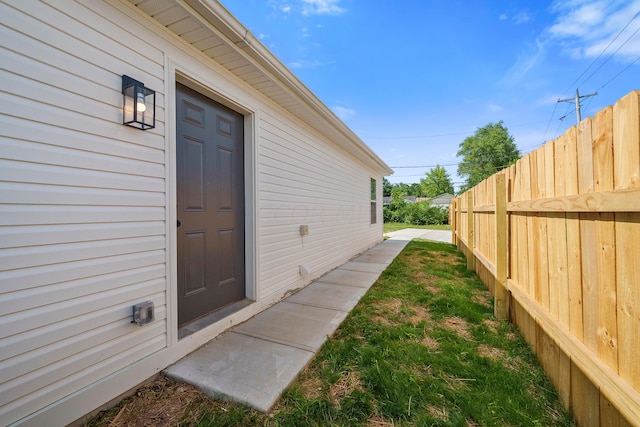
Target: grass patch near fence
x=421 y=348
x=395 y=226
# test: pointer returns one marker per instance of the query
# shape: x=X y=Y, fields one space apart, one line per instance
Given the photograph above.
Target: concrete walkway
x=418 y=233
x=254 y=362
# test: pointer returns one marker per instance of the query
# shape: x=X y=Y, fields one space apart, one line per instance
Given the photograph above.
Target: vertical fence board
x=459 y=205
x=574 y=270
x=452 y=220
x=609 y=415
x=541 y=253
x=605 y=240
x=470 y=236
x=585 y=399
x=549 y=179
x=523 y=321
x=501 y=305
x=533 y=230
x=514 y=252
x=556 y=364
x=588 y=238
x=626 y=151
x=523 y=234
x=524 y=225
x=627 y=169
x=558 y=262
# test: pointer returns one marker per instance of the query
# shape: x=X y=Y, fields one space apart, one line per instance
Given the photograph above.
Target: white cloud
x=303 y=64
x=517 y=17
x=582 y=29
x=280 y=6
x=578 y=19
x=586 y=27
x=521 y=17
x=307 y=7
x=525 y=61
x=322 y=7
x=548 y=99
x=343 y=112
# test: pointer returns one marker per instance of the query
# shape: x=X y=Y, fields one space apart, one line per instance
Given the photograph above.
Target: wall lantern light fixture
x=139 y=104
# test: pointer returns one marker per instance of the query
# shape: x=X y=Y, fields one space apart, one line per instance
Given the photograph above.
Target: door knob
x=179 y=223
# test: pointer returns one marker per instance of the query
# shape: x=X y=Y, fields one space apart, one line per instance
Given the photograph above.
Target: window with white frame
x=374 y=208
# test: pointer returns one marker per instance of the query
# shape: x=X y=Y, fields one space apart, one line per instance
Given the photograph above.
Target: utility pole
x=577 y=101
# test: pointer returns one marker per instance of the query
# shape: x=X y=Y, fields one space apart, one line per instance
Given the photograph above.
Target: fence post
x=470 y=243
x=501 y=295
x=452 y=220
x=458 y=221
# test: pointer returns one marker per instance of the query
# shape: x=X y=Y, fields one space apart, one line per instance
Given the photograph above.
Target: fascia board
x=243 y=40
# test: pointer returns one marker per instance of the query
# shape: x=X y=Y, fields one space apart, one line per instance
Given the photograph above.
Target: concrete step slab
x=376 y=258
x=328 y=295
x=297 y=325
x=416 y=233
x=242 y=368
x=344 y=277
x=365 y=267
x=255 y=361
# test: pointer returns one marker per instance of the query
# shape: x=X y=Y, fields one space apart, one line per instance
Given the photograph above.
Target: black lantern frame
x=138 y=104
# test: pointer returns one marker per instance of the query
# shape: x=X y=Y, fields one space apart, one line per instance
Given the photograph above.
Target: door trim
x=219 y=89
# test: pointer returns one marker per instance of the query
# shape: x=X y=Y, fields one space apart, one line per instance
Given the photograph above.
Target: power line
x=611 y=56
x=415 y=137
x=577 y=101
x=438 y=135
x=555 y=106
x=422 y=166
x=578 y=97
x=625 y=69
x=603 y=51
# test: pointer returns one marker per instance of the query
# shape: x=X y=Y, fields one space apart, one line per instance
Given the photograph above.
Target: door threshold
x=212 y=318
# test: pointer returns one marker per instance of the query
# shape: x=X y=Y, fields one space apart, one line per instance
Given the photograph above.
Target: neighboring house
x=202 y=212
x=443 y=200
x=388 y=199
x=410 y=199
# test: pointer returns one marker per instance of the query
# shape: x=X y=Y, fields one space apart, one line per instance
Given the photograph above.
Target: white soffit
x=210 y=28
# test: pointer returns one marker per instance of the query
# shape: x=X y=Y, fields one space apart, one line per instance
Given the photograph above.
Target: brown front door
x=210 y=205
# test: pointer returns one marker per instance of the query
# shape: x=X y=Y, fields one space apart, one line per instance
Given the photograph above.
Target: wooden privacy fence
x=556 y=239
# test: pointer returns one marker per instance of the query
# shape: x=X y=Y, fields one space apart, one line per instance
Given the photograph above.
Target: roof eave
x=243 y=39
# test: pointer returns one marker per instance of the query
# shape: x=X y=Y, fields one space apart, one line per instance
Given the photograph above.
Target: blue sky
x=413 y=78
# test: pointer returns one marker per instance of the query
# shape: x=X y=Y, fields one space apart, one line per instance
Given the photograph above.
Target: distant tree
x=415 y=189
x=386 y=187
x=404 y=187
x=398 y=194
x=488 y=151
x=437 y=181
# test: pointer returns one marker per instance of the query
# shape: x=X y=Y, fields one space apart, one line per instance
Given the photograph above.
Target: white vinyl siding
x=84 y=200
x=307 y=180
x=82 y=206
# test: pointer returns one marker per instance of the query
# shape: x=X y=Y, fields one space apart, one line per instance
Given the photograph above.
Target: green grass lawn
x=395 y=226
x=422 y=348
